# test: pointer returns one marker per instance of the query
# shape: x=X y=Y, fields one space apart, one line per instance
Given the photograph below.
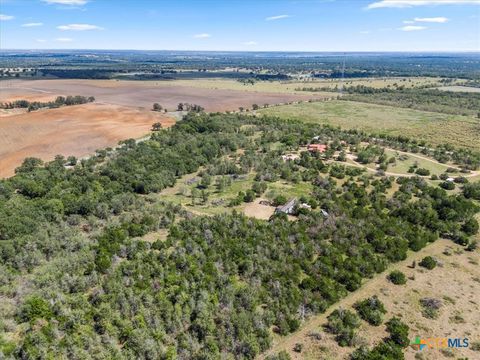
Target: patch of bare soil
x=259 y=211
x=456 y=283
x=71 y=130
x=144 y=94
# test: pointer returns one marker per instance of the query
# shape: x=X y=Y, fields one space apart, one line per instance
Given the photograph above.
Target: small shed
x=287 y=208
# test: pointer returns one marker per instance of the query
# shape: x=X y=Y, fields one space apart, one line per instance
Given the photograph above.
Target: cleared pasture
x=435 y=128
x=469 y=89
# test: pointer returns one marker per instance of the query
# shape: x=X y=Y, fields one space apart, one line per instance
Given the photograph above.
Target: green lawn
x=402 y=166
x=435 y=128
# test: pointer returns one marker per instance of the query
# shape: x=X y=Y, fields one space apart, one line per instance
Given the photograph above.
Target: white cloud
x=79 y=27
x=440 y=19
x=41 y=40
x=62 y=39
x=412 y=28
x=32 y=24
x=250 y=43
x=66 y=2
x=4 y=17
x=202 y=36
x=277 y=17
x=408 y=22
x=411 y=3
x=365 y=32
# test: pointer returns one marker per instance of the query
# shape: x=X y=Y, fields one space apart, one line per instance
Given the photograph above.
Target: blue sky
x=273 y=25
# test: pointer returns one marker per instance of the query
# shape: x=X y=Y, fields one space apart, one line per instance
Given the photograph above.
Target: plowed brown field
x=72 y=130
x=121 y=111
x=145 y=93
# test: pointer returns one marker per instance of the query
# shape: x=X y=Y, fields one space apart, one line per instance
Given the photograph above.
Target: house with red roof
x=321 y=148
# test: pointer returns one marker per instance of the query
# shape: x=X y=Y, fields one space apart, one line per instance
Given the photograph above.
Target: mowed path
x=315 y=323
x=71 y=130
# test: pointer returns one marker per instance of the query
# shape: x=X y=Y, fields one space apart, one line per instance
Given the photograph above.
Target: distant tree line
x=59 y=101
x=448 y=102
x=189 y=107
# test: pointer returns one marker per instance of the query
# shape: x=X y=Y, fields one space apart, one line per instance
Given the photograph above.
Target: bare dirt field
x=144 y=94
x=454 y=283
x=72 y=130
x=259 y=211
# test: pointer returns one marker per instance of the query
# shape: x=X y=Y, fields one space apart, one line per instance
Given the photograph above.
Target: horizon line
x=251 y=51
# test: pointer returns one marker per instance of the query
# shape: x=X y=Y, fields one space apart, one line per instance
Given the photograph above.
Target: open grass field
x=145 y=93
x=72 y=130
x=454 y=283
x=454 y=88
x=407 y=82
x=292 y=85
x=435 y=128
x=402 y=166
x=218 y=201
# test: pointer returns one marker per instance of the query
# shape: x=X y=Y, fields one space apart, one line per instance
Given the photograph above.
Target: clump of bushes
x=34 y=308
x=447 y=185
x=470 y=226
x=390 y=348
x=422 y=172
x=397 y=277
x=398 y=332
x=430 y=307
x=343 y=323
x=371 y=310
x=428 y=262
x=279 y=200
x=472 y=190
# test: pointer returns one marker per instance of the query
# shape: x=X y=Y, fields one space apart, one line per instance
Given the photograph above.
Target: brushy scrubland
x=76 y=277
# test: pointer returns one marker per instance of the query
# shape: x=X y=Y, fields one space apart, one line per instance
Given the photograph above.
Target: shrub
x=343 y=323
x=430 y=307
x=34 y=308
x=470 y=227
x=383 y=351
x=422 y=172
x=428 y=262
x=475 y=346
x=298 y=347
x=279 y=200
x=472 y=246
x=398 y=332
x=282 y=355
x=249 y=196
x=461 y=180
x=397 y=277
x=472 y=190
x=447 y=185
x=371 y=310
